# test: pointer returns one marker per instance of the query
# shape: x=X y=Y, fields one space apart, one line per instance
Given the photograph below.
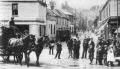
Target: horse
x=14 y=47
x=18 y=46
x=39 y=47
x=29 y=44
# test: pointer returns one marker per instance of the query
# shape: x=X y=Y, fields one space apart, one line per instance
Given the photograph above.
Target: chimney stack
x=52 y=5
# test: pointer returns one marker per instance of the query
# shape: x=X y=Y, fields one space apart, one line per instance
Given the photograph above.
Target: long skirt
x=110 y=55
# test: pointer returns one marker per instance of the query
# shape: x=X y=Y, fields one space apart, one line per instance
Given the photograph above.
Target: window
x=44 y=31
x=51 y=28
x=54 y=29
x=14 y=9
x=40 y=31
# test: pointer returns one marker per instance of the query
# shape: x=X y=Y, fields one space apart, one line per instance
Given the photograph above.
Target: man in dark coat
x=59 y=49
x=78 y=48
x=12 y=23
x=75 y=49
x=91 y=50
x=70 y=47
x=13 y=28
x=85 y=48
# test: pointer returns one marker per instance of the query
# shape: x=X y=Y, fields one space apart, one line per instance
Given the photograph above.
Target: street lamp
x=117 y=19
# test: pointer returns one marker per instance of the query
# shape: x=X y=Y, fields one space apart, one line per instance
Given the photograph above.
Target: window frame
x=14 y=10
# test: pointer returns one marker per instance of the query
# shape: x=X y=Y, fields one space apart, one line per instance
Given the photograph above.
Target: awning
x=102 y=27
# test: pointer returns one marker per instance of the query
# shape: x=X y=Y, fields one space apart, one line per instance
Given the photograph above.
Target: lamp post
x=117 y=19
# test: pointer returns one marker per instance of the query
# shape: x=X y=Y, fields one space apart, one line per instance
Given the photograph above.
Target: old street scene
x=63 y=34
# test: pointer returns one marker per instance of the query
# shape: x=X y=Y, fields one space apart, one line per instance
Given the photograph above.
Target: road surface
x=48 y=62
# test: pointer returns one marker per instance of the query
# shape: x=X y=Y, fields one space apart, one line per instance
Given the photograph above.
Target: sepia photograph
x=59 y=34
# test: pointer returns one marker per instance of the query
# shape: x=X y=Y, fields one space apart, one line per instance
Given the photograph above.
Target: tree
x=66 y=7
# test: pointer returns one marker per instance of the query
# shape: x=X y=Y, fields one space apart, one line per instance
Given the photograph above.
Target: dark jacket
x=85 y=44
x=92 y=46
x=59 y=47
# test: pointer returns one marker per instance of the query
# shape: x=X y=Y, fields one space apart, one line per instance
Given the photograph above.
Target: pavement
x=48 y=62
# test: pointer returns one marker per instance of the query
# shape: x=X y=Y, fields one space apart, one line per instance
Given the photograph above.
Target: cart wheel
x=4 y=58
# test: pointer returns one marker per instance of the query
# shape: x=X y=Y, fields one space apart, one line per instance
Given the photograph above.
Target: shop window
x=44 y=31
x=54 y=29
x=40 y=31
x=14 y=9
x=51 y=28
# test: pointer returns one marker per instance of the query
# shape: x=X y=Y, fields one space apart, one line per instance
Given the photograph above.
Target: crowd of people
x=106 y=50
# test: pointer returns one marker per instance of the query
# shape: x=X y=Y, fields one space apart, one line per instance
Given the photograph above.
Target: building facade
x=28 y=15
x=109 y=18
x=51 y=24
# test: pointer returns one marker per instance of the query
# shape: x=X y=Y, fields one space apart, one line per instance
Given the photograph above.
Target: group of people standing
x=106 y=51
x=51 y=44
x=73 y=48
x=88 y=46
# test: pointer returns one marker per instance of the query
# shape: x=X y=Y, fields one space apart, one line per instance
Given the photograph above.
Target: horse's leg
x=21 y=57
x=96 y=59
x=14 y=58
x=37 y=55
x=25 y=54
x=28 y=58
x=69 y=53
x=8 y=56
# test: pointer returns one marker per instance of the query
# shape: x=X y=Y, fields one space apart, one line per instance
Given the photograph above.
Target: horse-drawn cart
x=4 y=54
x=7 y=33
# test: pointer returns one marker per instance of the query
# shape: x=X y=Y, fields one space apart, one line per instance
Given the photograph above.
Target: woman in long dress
x=110 y=55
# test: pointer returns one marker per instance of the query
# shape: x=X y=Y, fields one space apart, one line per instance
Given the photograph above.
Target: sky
x=83 y=4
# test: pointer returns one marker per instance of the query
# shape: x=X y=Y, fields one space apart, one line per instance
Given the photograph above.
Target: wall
x=50 y=33
x=114 y=7
x=29 y=13
x=110 y=10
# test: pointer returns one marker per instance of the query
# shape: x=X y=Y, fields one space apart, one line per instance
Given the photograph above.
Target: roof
x=50 y=12
x=65 y=12
x=60 y=13
x=43 y=3
x=19 y=0
x=56 y=13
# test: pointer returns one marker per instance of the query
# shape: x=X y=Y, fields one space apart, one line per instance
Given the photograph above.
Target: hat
x=12 y=17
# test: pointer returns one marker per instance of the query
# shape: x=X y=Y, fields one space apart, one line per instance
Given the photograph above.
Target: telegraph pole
x=75 y=28
x=117 y=20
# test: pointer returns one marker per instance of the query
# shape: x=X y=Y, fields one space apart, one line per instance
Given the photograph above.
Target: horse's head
x=29 y=39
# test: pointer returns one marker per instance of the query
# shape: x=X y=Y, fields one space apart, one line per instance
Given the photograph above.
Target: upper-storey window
x=14 y=9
